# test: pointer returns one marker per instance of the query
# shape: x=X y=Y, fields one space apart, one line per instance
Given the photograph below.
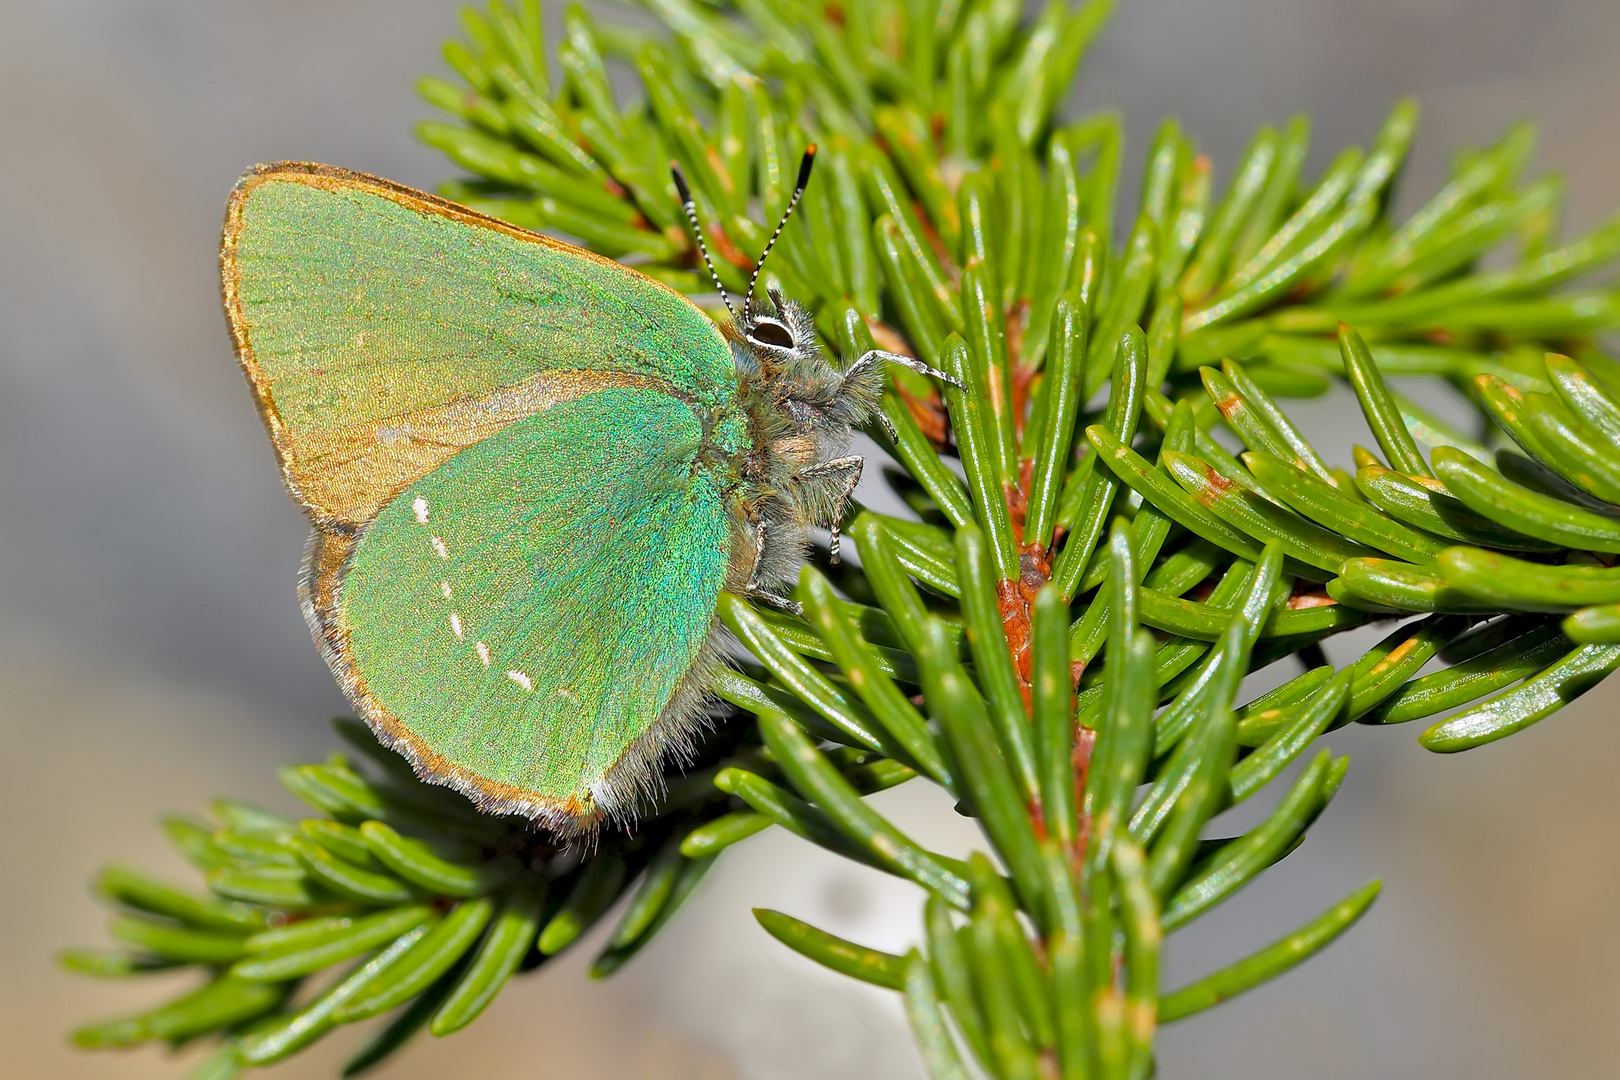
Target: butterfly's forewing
x=519 y=620
x=384 y=329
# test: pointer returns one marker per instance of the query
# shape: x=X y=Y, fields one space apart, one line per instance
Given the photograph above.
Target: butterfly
x=531 y=472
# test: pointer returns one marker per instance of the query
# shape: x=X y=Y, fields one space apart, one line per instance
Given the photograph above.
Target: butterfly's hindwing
x=519 y=619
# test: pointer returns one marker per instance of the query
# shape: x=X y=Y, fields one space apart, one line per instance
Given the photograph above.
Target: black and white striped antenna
x=805 y=162
x=690 y=207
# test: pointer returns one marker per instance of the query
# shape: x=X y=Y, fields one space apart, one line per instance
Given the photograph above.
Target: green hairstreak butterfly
x=531 y=472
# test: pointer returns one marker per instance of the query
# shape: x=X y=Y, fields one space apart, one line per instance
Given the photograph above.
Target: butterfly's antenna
x=808 y=160
x=690 y=207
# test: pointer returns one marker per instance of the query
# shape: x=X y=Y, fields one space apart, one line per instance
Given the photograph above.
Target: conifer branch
x=1059 y=639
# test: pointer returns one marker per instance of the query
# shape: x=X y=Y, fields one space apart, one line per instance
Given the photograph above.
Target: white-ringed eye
x=771 y=334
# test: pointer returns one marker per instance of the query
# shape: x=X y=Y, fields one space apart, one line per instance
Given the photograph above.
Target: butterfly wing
x=528 y=621
x=384 y=330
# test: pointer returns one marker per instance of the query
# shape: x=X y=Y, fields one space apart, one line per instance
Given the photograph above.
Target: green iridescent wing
x=525 y=621
x=517 y=553
x=384 y=329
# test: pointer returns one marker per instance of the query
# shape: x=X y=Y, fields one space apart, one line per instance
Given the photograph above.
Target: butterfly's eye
x=771 y=333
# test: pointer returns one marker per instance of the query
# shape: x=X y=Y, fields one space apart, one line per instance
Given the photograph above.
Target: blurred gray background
x=151 y=652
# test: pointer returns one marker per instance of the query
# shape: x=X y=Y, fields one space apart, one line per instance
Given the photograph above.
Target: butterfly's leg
x=862 y=381
x=846 y=472
x=754 y=590
x=894 y=436
x=872 y=359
